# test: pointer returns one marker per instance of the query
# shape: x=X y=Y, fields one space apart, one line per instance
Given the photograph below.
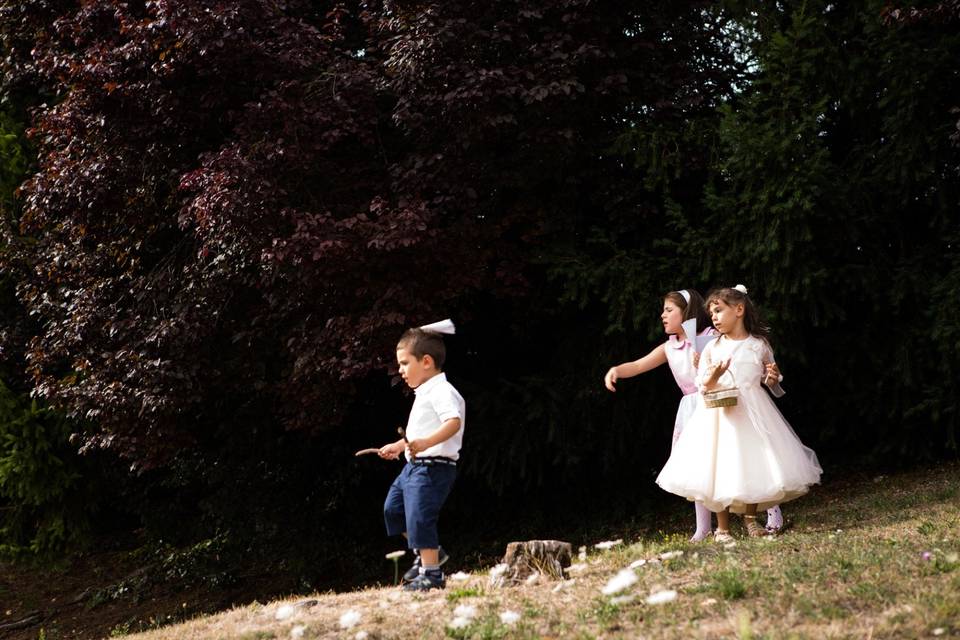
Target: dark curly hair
x=751 y=317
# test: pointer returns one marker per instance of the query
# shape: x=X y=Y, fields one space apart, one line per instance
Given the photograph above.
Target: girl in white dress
x=679 y=353
x=738 y=458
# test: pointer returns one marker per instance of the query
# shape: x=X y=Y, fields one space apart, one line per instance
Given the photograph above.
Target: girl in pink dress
x=679 y=353
x=743 y=457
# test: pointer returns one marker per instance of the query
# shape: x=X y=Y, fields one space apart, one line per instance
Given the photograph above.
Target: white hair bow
x=444 y=326
x=685 y=294
x=741 y=288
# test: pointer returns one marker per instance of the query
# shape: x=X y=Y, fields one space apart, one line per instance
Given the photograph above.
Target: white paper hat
x=444 y=326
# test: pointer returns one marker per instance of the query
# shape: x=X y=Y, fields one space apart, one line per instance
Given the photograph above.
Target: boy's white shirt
x=436 y=402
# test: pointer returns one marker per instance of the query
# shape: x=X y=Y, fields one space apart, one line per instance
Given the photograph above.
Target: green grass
x=459 y=593
x=729 y=584
x=257 y=635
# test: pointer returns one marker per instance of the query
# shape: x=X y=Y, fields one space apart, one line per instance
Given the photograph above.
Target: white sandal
x=722 y=535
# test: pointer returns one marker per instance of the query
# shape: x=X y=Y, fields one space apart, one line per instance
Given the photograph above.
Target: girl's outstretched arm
x=650 y=361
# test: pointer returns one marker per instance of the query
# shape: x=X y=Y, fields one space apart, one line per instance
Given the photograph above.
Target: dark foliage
x=237 y=207
x=835 y=198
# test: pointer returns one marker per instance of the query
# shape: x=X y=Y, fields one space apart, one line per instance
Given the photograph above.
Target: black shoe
x=426 y=581
x=414 y=571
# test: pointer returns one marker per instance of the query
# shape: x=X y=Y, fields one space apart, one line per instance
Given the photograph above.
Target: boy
x=432 y=446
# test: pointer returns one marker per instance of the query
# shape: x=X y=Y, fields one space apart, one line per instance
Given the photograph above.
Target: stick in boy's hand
x=393 y=450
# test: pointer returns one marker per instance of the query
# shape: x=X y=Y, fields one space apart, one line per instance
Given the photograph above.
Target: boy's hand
x=391 y=451
x=417 y=446
x=611 y=379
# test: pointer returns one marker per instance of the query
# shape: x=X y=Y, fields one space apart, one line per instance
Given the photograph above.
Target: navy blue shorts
x=414 y=500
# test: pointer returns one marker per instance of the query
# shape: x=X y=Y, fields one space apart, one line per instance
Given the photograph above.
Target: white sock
x=774 y=517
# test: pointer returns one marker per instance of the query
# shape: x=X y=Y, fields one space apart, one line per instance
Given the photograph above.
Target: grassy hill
x=871 y=557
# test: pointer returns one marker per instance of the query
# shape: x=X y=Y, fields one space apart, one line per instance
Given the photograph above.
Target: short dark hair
x=424 y=343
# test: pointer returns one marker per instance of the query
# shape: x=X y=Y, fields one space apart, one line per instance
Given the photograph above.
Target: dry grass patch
x=875 y=558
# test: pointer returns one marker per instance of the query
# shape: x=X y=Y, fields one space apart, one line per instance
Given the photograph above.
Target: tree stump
x=546 y=558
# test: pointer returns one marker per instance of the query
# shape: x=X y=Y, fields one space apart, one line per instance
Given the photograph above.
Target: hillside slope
x=873 y=557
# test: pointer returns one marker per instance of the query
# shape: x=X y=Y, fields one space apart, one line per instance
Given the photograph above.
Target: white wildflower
x=939 y=631
x=499 y=570
x=661 y=597
x=669 y=555
x=393 y=555
x=608 y=544
x=284 y=611
x=619 y=582
x=350 y=619
x=533 y=578
x=576 y=568
x=297 y=631
x=563 y=584
x=509 y=617
x=459 y=623
x=465 y=611
x=498 y=575
x=637 y=563
x=582 y=556
x=459 y=576
x=361 y=635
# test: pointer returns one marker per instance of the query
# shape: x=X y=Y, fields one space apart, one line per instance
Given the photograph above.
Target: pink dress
x=680 y=360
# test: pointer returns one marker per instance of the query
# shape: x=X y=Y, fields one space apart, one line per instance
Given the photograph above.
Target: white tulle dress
x=740 y=455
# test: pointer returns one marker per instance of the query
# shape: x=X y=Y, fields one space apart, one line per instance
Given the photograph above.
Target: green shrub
x=46 y=506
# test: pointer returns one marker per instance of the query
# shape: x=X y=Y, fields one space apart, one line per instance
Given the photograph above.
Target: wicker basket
x=725 y=397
